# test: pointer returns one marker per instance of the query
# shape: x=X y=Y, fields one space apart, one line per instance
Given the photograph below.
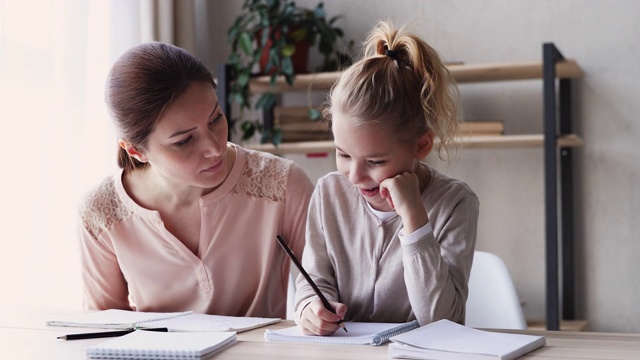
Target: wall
x=602 y=37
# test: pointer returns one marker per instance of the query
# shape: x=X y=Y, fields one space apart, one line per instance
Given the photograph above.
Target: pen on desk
x=103 y=334
x=324 y=300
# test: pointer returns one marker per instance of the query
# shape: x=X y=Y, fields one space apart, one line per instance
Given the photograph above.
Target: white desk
x=24 y=336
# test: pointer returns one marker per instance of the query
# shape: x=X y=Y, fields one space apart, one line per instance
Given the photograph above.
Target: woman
x=189 y=223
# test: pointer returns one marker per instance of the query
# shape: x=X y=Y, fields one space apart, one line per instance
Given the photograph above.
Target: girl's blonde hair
x=400 y=83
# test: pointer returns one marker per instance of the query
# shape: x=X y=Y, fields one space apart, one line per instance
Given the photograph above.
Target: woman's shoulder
x=101 y=206
x=266 y=175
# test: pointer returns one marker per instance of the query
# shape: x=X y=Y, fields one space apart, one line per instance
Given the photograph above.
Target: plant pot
x=300 y=57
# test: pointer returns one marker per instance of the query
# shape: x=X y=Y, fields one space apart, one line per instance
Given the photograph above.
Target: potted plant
x=267 y=38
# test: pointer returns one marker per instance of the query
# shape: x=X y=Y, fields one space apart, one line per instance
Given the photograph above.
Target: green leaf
x=276 y=139
x=314 y=114
x=288 y=51
x=299 y=34
x=246 y=43
x=243 y=78
x=248 y=130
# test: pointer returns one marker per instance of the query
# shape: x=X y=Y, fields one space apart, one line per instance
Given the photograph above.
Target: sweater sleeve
x=299 y=190
x=436 y=270
x=315 y=259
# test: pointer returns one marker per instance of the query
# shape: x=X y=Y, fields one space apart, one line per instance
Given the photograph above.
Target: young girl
x=389 y=239
x=189 y=223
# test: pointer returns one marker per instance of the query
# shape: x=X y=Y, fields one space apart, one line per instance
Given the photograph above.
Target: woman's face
x=189 y=144
x=367 y=155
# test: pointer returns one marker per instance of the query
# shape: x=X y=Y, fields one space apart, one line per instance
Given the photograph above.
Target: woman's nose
x=212 y=146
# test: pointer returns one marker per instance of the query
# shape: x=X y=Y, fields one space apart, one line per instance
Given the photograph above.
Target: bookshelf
x=557 y=141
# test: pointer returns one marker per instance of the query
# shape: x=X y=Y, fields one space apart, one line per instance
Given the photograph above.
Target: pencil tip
x=63 y=337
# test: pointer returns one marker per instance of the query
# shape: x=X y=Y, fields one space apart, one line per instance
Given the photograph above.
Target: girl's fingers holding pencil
x=317 y=320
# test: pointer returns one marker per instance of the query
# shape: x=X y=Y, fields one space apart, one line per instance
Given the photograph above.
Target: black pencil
x=324 y=300
x=95 y=335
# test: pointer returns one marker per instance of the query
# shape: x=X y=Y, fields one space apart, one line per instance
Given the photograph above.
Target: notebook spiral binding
x=384 y=336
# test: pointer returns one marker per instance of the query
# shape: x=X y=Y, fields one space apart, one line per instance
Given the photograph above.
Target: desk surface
x=30 y=339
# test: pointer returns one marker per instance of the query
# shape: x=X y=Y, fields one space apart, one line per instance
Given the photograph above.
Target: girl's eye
x=345 y=156
x=377 y=162
x=183 y=142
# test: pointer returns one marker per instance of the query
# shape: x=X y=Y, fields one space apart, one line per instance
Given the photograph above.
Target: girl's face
x=189 y=143
x=367 y=155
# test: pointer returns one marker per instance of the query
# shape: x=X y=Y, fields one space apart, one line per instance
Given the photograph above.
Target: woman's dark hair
x=142 y=83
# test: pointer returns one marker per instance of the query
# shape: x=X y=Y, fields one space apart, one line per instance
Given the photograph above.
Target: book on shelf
x=359 y=333
x=162 y=345
x=481 y=127
x=447 y=340
x=174 y=321
x=295 y=125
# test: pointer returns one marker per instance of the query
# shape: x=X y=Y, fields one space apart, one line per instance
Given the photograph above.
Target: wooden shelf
x=477 y=142
x=461 y=73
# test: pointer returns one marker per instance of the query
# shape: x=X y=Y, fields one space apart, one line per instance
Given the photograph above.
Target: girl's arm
x=436 y=271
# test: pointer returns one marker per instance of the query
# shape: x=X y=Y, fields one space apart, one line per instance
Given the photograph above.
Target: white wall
x=603 y=37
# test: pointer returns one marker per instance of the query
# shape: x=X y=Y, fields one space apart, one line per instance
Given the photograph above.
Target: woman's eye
x=184 y=142
x=215 y=119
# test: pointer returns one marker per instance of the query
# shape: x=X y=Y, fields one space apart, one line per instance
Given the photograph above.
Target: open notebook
x=174 y=321
x=446 y=340
x=161 y=345
x=360 y=333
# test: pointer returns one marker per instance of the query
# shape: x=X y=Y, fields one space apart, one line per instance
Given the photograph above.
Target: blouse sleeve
x=436 y=270
x=104 y=286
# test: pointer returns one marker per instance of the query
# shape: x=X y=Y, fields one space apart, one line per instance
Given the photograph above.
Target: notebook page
x=360 y=333
x=111 y=319
x=150 y=344
x=205 y=322
x=447 y=336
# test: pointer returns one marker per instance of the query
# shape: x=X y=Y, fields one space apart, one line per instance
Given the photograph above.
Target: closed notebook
x=360 y=333
x=446 y=340
x=161 y=345
x=174 y=321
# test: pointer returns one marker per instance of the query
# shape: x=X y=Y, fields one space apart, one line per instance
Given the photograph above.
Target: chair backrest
x=493 y=301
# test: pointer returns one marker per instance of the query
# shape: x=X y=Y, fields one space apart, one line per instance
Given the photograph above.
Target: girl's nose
x=355 y=173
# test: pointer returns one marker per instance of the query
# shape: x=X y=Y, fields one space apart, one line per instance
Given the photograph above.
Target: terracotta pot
x=300 y=57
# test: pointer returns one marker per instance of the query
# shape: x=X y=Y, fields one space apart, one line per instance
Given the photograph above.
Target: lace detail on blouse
x=264 y=176
x=102 y=208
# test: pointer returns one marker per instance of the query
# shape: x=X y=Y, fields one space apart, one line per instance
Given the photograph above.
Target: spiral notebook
x=162 y=345
x=446 y=340
x=360 y=333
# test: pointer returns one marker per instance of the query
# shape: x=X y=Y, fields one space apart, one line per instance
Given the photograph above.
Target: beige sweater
x=358 y=260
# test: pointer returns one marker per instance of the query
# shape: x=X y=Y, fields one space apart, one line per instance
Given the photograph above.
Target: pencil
x=313 y=285
x=103 y=334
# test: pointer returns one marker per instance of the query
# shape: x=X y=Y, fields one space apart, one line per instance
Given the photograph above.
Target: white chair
x=493 y=301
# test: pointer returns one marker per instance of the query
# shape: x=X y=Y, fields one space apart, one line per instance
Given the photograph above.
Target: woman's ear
x=425 y=144
x=131 y=150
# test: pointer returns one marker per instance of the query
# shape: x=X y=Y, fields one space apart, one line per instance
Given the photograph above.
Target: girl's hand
x=316 y=320
x=402 y=192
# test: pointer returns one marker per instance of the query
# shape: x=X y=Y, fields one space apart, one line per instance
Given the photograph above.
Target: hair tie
x=392 y=54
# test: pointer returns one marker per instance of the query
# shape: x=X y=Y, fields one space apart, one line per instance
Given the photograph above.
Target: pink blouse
x=131 y=261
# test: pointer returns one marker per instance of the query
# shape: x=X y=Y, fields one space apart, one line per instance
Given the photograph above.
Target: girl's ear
x=131 y=150
x=425 y=144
